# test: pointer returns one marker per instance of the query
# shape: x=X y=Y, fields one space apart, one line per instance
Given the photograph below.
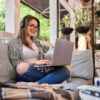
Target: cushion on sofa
x=82 y=64
x=7 y=73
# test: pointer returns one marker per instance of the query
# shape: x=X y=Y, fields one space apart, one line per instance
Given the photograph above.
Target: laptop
x=62 y=53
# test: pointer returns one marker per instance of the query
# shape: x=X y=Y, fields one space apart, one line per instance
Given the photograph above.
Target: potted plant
x=83 y=21
x=66 y=29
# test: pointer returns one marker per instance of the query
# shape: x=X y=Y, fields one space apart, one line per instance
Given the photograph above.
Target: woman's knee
x=22 y=68
x=69 y=68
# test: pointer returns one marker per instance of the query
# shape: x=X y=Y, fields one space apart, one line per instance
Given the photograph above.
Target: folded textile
x=34 y=91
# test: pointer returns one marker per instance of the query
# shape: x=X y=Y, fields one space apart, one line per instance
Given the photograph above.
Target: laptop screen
x=62 y=52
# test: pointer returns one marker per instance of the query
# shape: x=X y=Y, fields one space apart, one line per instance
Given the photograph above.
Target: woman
x=25 y=52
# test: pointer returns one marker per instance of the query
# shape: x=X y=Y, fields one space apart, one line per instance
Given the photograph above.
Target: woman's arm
x=13 y=52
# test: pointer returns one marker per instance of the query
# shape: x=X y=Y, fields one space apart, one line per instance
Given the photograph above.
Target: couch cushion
x=82 y=64
x=7 y=73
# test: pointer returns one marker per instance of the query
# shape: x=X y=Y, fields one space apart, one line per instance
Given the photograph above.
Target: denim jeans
x=53 y=77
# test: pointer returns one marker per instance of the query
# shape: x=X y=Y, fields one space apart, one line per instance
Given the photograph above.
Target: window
x=2 y=15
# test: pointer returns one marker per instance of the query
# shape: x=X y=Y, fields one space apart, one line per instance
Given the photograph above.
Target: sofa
x=82 y=67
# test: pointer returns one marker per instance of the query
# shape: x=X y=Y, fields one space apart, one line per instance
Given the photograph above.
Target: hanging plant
x=66 y=21
x=83 y=21
x=66 y=29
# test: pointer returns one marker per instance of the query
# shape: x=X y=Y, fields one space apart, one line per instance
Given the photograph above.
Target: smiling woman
x=25 y=54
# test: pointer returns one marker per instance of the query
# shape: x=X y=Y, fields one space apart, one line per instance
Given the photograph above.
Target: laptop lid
x=62 y=52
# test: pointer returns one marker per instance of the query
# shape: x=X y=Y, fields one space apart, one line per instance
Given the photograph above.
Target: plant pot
x=98 y=13
x=66 y=30
x=86 y=2
x=97 y=46
x=82 y=29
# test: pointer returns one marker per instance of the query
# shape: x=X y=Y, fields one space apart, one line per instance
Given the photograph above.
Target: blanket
x=33 y=91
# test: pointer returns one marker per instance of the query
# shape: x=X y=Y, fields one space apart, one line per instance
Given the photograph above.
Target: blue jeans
x=53 y=77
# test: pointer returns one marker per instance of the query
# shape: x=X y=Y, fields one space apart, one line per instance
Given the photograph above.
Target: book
x=93 y=93
x=92 y=88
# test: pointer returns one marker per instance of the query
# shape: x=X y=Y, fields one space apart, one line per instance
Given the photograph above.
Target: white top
x=29 y=54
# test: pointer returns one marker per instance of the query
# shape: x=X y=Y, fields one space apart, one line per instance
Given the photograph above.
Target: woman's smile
x=32 y=27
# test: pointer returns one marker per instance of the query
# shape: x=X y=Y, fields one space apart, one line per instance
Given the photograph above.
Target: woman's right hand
x=39 y=62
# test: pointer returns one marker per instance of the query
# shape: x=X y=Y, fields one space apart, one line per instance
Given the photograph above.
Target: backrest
x=7 y=73
x=82 y=64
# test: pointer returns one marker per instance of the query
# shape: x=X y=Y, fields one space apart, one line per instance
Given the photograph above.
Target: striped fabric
x=33 y=91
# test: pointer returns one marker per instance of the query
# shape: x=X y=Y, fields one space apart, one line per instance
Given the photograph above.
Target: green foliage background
x=2 y=14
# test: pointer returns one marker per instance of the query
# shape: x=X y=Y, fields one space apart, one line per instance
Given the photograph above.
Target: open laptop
x=62 y=53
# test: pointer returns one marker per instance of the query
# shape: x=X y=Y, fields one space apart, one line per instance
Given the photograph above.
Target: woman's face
x=32 y=28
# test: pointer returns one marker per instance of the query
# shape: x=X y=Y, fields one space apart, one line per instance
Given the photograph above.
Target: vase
x=82 y=42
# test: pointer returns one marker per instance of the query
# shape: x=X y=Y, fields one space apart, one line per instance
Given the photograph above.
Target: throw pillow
x=7 y=73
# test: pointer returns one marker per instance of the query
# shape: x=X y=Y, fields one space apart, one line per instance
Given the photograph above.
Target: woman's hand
x=39 y=62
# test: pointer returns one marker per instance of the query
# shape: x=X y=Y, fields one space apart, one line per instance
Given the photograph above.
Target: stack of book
x=89 y=91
